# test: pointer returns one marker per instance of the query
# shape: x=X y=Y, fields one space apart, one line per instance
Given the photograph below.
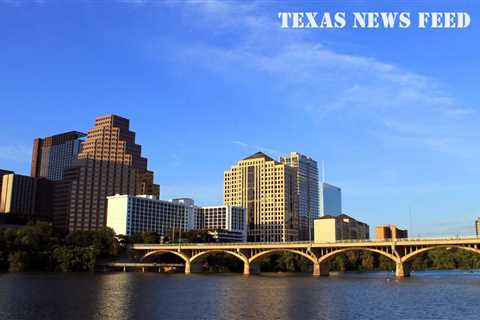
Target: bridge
x=400 y=251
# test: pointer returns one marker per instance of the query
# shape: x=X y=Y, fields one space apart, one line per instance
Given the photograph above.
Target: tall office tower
x=52 y=155
x=267 y=189
x=330 y=200
x=477 y=227
x=109 y=163
x=307 y=191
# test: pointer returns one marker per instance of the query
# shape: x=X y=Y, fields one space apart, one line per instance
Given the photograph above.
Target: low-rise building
x=222 y=235
x=127 y=215
x=389 y=231
x=341 y=227
x=228 y=222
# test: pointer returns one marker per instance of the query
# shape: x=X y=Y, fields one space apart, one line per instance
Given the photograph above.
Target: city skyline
x=391 y=155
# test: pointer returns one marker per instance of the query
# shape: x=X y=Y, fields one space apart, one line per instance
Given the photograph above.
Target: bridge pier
x=187 y=267
x=250 y=268
x=402 y=270
x=321 y=269
x=246 y=268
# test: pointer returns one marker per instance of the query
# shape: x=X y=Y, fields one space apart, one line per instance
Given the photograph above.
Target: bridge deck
x=308 y=244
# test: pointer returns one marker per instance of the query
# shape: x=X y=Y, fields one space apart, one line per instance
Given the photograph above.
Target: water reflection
x=115 y=296
x=432 y=295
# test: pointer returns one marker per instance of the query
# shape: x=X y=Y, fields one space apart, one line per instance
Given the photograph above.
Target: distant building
x=52 y=155
x=389 y=231
x=330 y=200
x=109 y=163
x=226 y=222
x=341 y=227
x=307 y=191
x=268 y=190
x=24 y=196
x=127 y=215
x=221 y=235
x=477 y=227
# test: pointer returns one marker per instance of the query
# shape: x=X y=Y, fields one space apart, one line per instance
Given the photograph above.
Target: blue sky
x=394 y=113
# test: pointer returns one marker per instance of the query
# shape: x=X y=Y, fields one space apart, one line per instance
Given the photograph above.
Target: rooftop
x=259 y=155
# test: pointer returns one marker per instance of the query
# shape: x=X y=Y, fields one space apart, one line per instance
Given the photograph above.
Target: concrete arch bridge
x=401 y=252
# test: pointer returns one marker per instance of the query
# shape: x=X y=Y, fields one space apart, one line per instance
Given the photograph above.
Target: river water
x=426 y=295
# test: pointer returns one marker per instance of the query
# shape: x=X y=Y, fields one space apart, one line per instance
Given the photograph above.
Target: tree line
x=38 y=248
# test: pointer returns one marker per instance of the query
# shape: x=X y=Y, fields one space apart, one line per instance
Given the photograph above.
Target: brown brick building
x=108 y=163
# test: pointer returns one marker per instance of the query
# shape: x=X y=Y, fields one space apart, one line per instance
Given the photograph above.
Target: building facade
x=389 y=231
x=25 y=196
x=109 y=163
x=225 y=222
x=341 y=227
x=268 y=191
x=52 y=155
x=129 y=214
x=307 y=191
x=2 y=173
x=330 y=200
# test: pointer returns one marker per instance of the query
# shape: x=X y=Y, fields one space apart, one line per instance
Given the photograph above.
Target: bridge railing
x=229 y=244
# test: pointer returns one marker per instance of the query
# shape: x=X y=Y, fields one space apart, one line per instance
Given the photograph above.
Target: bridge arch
x=328 y=256
x=207 y=252
x=272 y=251
x=409 y=257
x=160 y=252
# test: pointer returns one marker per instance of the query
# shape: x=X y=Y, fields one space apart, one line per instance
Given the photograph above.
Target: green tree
x=385 y=263
x=18 y=261
x=366 y=261
x=72 y=258
x=145 y=237
x=339 y=263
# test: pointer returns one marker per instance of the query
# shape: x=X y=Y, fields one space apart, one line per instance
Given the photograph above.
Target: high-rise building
x=340 y=227
x=477 y=227
x=268 y=190
x=23 y=196
x=330 y=200
x=307 y=191
x=108 y=163
x=52 y=155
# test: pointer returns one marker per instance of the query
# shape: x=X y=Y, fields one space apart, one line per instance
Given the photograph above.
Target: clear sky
x=394 y=113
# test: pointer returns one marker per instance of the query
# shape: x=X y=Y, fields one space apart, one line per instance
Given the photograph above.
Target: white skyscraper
x=330 y=200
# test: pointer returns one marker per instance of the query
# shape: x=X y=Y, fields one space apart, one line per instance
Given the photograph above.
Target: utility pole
x=410 y=221
x=309 y=227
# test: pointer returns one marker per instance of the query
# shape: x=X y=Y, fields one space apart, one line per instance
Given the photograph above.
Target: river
x=426 y=295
